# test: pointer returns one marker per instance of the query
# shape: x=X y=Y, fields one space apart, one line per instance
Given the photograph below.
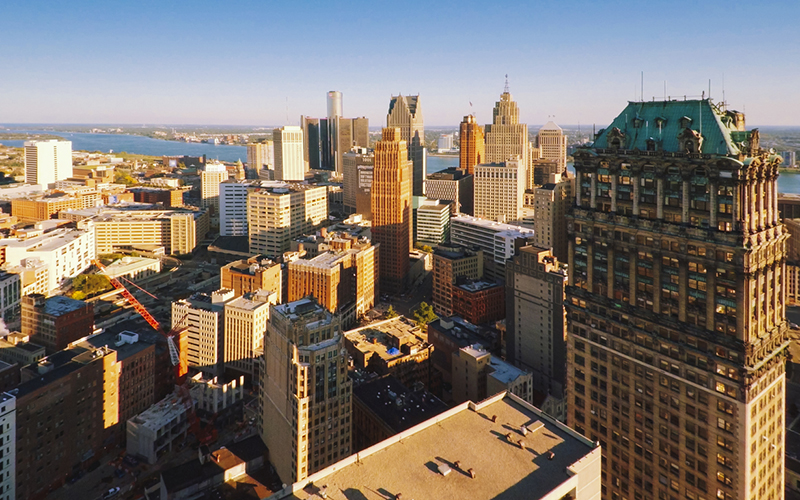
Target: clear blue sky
x=246 y=62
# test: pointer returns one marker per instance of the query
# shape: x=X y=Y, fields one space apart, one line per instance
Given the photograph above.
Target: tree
x=424 y=314
x=91 y=284
x=391 y=313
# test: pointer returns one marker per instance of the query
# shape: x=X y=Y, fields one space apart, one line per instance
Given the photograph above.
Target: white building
x=552 y=144
x=133 y=268
x=47 y=161
x=157 y=428
x=246 y=321
x=67 y=252
x=210 y=179
x=433 y=222
x=500 y=190
x=497 y=240
x=8 y=452
x=204 y=316
x=233 y=207
x=289 y=159
x=445 y=143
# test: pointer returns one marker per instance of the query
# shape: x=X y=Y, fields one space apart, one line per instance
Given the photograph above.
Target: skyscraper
x=47 y=161
x=676 y=304
x=500 y=190
x=289 y=157
x=305 y=391
x=391 y=209
x=212 y=175
x=551 y=202
x=260 y=155
x=472 y=145
x=406 y=114
x=506 y=137
x=311 y=142
x=357 y=182
x=332 y=152
x=552 y=144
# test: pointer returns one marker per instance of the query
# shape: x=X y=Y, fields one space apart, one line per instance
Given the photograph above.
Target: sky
x=266 y=62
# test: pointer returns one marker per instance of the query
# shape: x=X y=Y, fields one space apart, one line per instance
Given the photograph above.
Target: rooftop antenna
x=505 y=90
x=709 y=88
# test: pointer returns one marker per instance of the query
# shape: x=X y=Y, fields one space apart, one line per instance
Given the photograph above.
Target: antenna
x=505 y=90
x=641 y=94
x=709 y=88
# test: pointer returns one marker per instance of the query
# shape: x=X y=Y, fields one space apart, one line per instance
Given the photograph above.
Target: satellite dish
x=744 y=143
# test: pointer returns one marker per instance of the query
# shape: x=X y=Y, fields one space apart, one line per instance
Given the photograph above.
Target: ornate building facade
x=677 y=329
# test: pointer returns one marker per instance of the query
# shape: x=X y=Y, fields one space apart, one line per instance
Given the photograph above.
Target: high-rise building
x=453 y=185
x=500 y=190
x=312 y=142
x=233 y=207
x=433 y=222
x=331 y=154
x=361 y=132
x=8 y=434
x=204 y=316
x=391 y=209
x=278 y=214
x=47 y=161
x=506 y=137
x=535 y=318
x=498 y=241
x=472 y=145
x=357 y=181
x=550 y=204
x=305 y=393
x=445 y=143
x=676 y=304
x=406 y=114
x=343 y=281
x=290 y=162
x=552 y=144
x=260 y=156
x=245 y=323
x=56 y=321
x=450 y=262
x=211 y=177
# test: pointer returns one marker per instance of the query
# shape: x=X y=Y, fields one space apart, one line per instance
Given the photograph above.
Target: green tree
x=391 y=313
x=424 y=314
x=91 y=284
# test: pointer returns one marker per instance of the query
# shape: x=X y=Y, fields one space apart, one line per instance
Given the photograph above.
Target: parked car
x=111 y=493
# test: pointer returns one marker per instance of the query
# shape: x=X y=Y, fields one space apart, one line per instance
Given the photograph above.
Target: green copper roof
x=665 y=121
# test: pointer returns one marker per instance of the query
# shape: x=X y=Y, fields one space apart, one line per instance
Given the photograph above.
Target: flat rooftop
x=465 y=434
x=488 y=224
x=476 y=286
x=161 y=413
x=48 y=241
x=383 y=338
x=247 y=303
x=59 y=305
x=396 y=405
x=303 y=307
x=126 y=265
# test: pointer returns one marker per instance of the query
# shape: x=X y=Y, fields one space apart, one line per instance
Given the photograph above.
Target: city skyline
x=94 y=63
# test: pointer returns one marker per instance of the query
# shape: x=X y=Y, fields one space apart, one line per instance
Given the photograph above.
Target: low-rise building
x=17 y=348
x=477 y=375
x=395 y=346
x=42 y=206
x=383 y=407
x=166 y=197
x=34 y=276
x=498 y=241
x=479 y=301
x=132 y=268
x=449 y=334
x=450 y=262
x=156 y=430
x=57 y=321
x=212 y=395
x=252 y=274
x=500 y=449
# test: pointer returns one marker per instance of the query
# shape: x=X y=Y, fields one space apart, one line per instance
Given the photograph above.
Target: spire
x=505 y=90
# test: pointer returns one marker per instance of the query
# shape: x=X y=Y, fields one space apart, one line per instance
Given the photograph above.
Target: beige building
x=177 y=230
x=506 y=137
x=476 y=375
x=552 y=145
x=204 y=317
x=677 y=304
x=277 y=215
x=43 y=206
x=212 y=175
x=433 y=222
x=391 y=209
x=18 y=348
x=34 y=276
x=500 y=190
x=252 y=274
x=260 y=156
x=450 y=262
x=290 y=162
x=246 y=320
x=305 y=393
x=338 y=279
x=551 y=202
x=501 y=448
x=405 y=113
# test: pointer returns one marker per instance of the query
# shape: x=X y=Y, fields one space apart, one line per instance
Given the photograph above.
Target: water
x=137 y=144
x=439 y=163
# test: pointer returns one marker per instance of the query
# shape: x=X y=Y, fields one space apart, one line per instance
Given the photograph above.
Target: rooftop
x=386 y=338
x=550 y=126
x=476 y=286
x=250 y=303
x=125 y=343
x=59 y=305
x=464 y=333
x=126 y=265
x=299 y=308
x=57 y=366
x=504 y=372
x=48 y=241
x=423 y=458
x=488 y=224
x=128 y=212
x=161 y=413
x=396 y=405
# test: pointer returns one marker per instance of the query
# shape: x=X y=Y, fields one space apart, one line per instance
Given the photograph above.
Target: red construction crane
x=181 y=366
